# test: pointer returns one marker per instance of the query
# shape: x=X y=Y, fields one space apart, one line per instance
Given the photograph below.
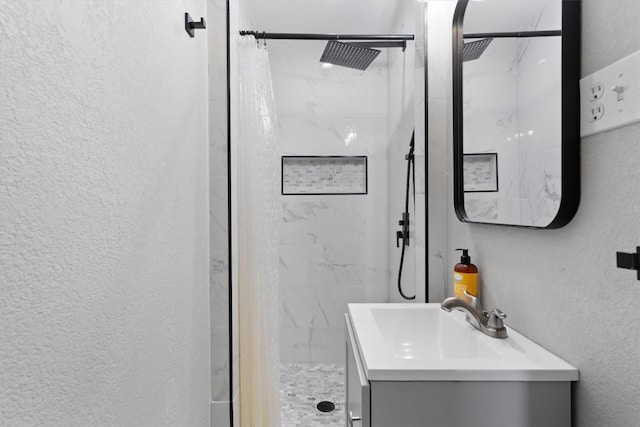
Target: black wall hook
x=190 y=25
x=629 y=260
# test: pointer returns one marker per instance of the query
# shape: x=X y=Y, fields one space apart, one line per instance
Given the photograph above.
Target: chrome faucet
x=490 y=324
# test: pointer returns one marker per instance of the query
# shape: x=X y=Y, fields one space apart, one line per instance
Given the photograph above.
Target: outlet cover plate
x=620 y=100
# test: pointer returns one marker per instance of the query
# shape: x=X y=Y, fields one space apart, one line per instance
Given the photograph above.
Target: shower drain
x=325 y=406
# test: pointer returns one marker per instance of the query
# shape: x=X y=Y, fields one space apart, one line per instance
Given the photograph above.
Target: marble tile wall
x=218 y=215
x=333 y=248
x=406 y=113
x=418 y=14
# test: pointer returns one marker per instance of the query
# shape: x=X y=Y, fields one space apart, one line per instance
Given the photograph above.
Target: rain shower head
x=472 y=50
x=349 y=55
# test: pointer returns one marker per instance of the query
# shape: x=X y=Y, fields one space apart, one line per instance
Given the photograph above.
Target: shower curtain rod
x=300 y=36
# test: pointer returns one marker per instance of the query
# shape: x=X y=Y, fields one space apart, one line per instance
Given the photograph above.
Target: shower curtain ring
x=264 y=39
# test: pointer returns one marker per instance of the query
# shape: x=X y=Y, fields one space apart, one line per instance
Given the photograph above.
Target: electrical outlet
x=610 y=98
x=596 y=91
x=596 y=112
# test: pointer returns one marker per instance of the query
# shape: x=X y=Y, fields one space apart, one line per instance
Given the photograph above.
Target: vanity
x=411 y=365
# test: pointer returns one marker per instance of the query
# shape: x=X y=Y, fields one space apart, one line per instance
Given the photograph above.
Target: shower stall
x=337 y=248
x=347 y=112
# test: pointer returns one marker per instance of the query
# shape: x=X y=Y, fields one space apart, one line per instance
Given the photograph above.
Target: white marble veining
x=332 y=247
x=317 y=306
x=335 y=249
x=326 y=219
x=219 y=289
x=220 y=364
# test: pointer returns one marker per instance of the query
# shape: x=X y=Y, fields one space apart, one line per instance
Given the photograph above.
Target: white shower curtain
x=258 y=215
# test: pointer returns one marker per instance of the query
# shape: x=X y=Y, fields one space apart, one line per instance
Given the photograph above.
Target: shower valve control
x=404 y=233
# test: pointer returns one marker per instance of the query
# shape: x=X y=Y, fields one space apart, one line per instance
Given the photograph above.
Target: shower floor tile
x=303 y=386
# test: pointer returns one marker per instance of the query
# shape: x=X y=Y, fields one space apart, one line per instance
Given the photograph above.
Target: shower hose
x=410 y=167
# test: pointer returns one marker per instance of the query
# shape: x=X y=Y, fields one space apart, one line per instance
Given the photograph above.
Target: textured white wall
x=561 y=287
x=103 y=214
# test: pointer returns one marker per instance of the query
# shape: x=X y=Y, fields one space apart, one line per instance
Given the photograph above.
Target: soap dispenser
x=465 y=277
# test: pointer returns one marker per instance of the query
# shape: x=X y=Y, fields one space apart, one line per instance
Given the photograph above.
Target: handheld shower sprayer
x=404 y=222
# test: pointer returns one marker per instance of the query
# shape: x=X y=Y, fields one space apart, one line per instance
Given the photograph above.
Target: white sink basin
x=422 y=342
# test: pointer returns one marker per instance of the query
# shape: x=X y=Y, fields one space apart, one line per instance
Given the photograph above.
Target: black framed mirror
x=516 y=72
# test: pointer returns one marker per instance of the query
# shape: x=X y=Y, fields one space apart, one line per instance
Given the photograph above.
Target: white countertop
x=422 y=342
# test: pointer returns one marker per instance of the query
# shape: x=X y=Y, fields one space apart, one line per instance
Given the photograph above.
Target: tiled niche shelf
x=304 y=175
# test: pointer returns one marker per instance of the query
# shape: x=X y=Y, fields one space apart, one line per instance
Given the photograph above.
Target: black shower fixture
x=348 y=55
x=347 y=50
x=472 y=50
x=402 y=236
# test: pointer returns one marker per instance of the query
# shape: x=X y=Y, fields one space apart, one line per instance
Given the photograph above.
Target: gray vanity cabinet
x=450 y=403
x=358 y=393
